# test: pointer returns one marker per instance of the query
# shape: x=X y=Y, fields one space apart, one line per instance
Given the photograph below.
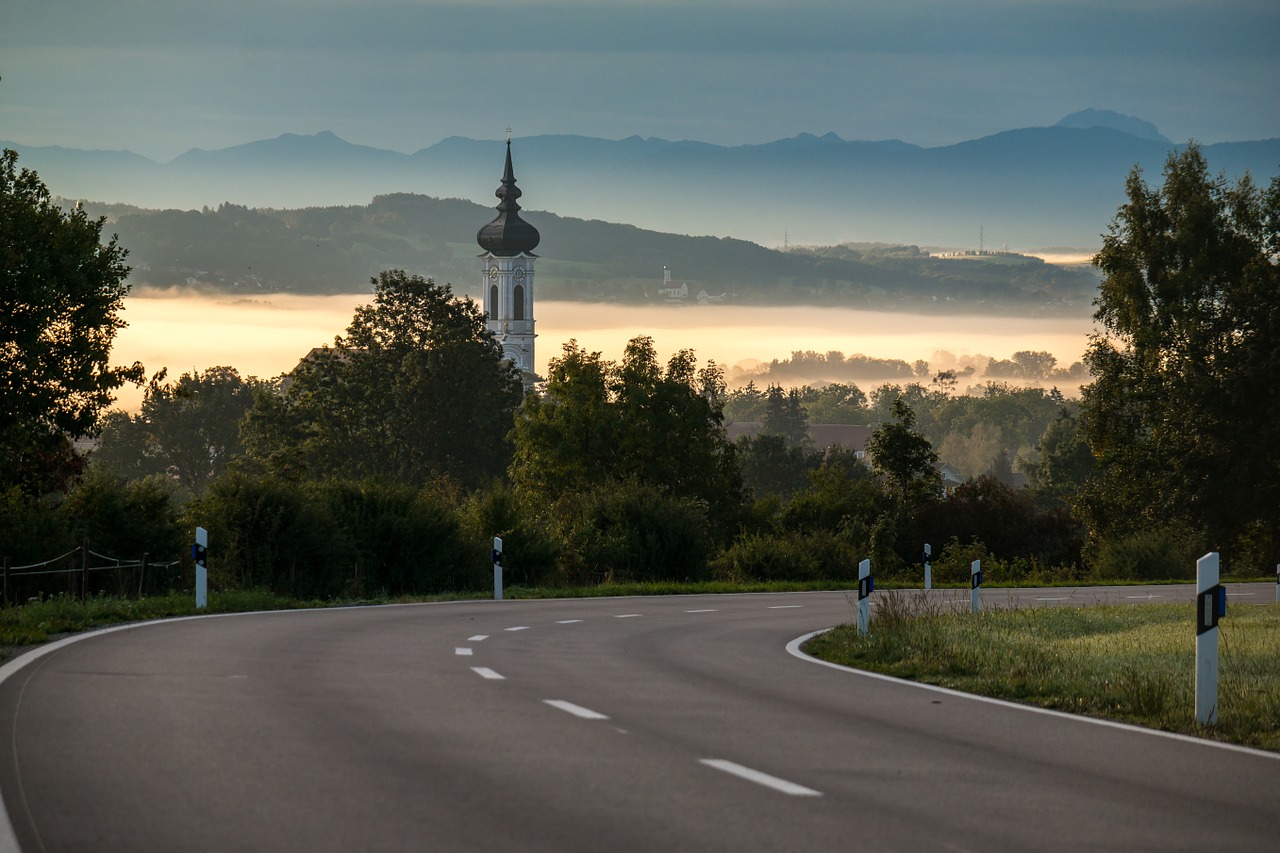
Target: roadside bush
x=633 y=532
x=1155 y=554
x=531 y=550
x=31 y=529
x=789 y=555
x=126 y=518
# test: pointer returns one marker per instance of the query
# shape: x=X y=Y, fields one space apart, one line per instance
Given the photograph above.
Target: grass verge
x=1130 y=663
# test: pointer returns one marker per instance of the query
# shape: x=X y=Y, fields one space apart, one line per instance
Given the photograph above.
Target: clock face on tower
x=493 y=272
x=519 y=275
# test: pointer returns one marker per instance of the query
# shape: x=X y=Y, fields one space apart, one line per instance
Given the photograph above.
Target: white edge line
x=576 y=710
x=485 y=672
x=709 y=610
x=784 y=606
x=781 y=785
x=794 y=648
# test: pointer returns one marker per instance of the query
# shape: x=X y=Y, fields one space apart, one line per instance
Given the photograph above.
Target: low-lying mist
x=266 y=335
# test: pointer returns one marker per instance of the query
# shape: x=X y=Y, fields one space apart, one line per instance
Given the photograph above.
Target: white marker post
x=928 y=569
x=200 y=553
x=497 y=569
x=1211 y=605
x=1277 y=583
x=865 y=585
x=975 y=584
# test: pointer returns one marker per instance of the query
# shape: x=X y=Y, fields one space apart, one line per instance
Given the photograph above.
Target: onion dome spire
x=508 y=235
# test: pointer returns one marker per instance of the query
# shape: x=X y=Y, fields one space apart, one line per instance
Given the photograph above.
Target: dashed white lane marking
x=784 y=606
x=517 y=628
x=477 y=638
x=780 y=785
x=702 y=611
x=485 y=672
x=568 y=621
x=576 y=710
x=462 y=650
x=1238 y=594
x=1059 y=598
x=625 y=615
x=1146 y=597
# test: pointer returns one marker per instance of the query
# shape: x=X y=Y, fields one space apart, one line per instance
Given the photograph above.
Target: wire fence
x=82 y=568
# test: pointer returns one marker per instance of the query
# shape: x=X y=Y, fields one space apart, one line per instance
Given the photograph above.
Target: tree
x=1184 y=413
x=600 y=422
x=787 y=417
x=903 y=458
x=417 y=388
x=61 y=292
x=189 y=428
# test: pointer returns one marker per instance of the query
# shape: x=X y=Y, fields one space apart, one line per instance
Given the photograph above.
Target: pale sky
x=161 y=76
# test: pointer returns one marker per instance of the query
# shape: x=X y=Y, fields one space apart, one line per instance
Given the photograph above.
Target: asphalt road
x=664 y=723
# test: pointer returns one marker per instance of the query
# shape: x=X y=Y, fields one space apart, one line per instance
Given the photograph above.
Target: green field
x=1130 y=663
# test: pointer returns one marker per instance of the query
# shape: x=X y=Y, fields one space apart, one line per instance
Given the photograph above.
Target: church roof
x=508 y=235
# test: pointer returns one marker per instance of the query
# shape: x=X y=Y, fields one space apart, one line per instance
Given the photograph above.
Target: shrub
x=634 y=532
x=789 y=555
x=1154 y=554
x=531 y=550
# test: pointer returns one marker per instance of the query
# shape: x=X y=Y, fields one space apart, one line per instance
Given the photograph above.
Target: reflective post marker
x=865 y=586
x=975 y=583
x=1277 y=583
x=200 y=553
x=1211 y=605
x=497 y=569
x=928 y=569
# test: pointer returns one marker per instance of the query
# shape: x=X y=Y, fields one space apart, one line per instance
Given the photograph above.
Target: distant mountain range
x=1026 y=188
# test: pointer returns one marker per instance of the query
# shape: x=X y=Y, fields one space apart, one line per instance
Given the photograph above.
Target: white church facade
x=507 y=269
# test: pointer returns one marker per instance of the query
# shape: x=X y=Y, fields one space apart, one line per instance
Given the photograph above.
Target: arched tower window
x=517 y=296
x=493 y=302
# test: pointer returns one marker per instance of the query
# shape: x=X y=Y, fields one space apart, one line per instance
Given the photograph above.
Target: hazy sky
x=161 y=76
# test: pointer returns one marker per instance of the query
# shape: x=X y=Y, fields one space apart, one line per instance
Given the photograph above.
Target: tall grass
x=1129 y=663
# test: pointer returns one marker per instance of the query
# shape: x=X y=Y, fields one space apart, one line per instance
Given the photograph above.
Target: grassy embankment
x=1134 y=663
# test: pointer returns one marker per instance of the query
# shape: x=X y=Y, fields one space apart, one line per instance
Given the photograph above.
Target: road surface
x=659 y=723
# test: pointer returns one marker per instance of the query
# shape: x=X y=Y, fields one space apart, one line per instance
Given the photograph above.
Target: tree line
x=387 y=460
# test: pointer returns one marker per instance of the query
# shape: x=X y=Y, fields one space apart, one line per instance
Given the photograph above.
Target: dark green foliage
x=32 y=529
x=189 y=429
x=903 y=458
x=634 y=531
x=531 y=551
x=323 y=540
x=770 y=467
x=1184 y=415
x=786 y=417
x=788 y=555
x=417 y=389
x=1144 y=555
x=1064 y=461
x=599 y=423
x=126 y=518
x=61 y=292
x=1006 y=522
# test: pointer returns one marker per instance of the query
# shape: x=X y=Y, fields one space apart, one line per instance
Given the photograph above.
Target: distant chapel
x=507 y=267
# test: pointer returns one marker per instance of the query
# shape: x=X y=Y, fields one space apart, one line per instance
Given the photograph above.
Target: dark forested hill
x=338 y=249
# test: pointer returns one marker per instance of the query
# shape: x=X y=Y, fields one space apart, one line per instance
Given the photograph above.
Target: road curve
x=676 y=723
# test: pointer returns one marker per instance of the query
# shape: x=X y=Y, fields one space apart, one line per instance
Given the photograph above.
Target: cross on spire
x=508 y=133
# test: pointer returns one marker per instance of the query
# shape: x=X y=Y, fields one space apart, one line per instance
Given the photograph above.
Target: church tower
x=507 y=266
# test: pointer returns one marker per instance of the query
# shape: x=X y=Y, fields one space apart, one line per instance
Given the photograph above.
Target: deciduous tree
x=61 y=293
x=1184 y=414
